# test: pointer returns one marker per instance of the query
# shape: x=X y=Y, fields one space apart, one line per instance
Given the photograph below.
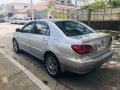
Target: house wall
x=8 y=11
x=20 y=10
x=41 y=14
x=62 y=10
x=20 y=6
x=21 y=15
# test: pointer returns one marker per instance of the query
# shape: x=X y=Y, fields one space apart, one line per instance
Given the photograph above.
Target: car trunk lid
x=99 y=42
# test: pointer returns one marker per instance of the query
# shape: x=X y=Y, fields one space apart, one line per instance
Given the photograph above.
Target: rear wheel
x=52 y=65
x=15 y=46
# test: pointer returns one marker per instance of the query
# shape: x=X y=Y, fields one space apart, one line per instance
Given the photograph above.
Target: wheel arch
x=50 y=52
x=13 y=38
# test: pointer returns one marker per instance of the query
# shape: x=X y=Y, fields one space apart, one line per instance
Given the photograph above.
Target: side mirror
x=18 y=30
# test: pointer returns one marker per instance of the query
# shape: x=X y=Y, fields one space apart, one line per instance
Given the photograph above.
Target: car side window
x=28 y=28
x=41 y=28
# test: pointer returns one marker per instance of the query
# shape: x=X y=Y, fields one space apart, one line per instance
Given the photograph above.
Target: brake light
x=82 y=49
x=110 y=41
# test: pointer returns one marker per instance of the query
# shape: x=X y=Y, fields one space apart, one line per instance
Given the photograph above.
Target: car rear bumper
x=84 y=66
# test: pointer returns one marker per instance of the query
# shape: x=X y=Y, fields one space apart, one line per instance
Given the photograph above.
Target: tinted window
x=73 y=28
x=41 y=28
x=28 y=28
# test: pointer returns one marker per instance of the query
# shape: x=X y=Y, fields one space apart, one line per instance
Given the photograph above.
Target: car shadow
x=103 y=79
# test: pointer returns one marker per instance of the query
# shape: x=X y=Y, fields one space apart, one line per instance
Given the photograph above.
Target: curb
x=30 y=75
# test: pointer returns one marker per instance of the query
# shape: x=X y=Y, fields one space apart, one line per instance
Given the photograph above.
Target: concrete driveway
x=105 y=78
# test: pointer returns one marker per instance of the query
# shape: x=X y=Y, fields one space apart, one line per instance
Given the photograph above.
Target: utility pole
x=5 y=12
x=32 y=12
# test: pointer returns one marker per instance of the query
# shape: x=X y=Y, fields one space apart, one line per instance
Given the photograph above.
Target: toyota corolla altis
x=64 y=45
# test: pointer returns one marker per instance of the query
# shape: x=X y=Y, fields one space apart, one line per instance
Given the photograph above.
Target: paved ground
x=106 y=78
x=12 y=78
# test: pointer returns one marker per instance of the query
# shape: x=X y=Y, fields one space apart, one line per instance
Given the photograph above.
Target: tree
x=114 y=3
x=83 y=1
x=69 y=1
x=102 y=4
x=97 y=4
x=1 y=16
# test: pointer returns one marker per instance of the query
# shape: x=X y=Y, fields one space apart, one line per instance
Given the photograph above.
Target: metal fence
x=107 y=14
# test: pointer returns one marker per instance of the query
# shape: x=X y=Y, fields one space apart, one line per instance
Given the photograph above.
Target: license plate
x=100 y=46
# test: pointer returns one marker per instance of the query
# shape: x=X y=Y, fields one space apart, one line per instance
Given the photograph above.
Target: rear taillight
x=82 y=49
x=110 y=41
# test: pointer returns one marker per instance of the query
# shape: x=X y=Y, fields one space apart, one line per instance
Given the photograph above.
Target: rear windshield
x=73 y=28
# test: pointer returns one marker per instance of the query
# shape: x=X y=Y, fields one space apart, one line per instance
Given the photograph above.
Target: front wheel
x=52 y=65
x=15 y=46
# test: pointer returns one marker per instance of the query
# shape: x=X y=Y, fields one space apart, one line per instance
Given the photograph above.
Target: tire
x=15 y=46
x=52 y=65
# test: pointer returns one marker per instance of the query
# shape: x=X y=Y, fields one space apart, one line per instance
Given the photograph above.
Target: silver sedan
x=64 y=45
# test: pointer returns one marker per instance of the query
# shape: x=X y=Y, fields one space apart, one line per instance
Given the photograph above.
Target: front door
x=23 y=37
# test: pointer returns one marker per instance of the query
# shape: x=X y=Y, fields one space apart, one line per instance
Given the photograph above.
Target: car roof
x=53 y=20
x=56 y=20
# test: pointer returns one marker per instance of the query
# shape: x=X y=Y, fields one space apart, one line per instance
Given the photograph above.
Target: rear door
x=39 y=38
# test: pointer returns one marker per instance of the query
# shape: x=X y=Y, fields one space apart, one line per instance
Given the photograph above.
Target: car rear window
x=73 y=28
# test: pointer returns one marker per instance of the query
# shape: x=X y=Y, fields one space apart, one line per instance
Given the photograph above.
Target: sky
x=24 y=1
x=20 y=1
x=17 y=1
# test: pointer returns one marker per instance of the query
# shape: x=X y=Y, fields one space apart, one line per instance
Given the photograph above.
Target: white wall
x=9 y=8
x=21 y=15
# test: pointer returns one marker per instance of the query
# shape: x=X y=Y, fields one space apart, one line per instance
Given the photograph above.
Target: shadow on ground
x=105 y=78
